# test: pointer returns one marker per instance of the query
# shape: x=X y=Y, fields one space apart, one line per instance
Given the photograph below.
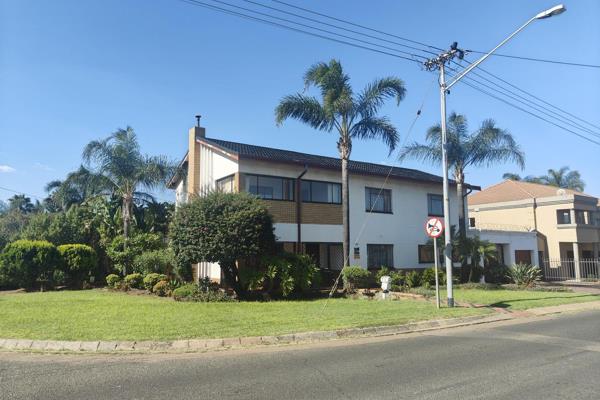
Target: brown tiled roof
x=356 y=167
x=510 y=190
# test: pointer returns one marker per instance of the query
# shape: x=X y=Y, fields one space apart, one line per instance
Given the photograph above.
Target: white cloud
x=6 y=169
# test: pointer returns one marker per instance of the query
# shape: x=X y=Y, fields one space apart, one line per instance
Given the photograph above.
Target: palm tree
x=563 y=178
x=486 y=146
x=21 y=203
x=78 y=186
x=352 y=116
x=125 y=170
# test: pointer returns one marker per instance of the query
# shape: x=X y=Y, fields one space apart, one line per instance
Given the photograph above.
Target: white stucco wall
x=214 y=166
x=511 y=241
x=404 y=228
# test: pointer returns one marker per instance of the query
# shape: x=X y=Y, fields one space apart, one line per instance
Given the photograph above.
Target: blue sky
x=74 y=71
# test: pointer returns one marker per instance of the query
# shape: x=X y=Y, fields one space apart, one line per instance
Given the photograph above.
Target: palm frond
x=376 y=93
x=376 y=128
x=421 y=152
x=305 y=109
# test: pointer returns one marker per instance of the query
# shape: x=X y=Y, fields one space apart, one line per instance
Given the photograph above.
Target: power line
x=575 y=64
x=358 y=25
x=517 y=97
x=526 y=111
x=21 y=193
x=246 y=16
x=337 y=26
x=542 y=60
x=539 y=108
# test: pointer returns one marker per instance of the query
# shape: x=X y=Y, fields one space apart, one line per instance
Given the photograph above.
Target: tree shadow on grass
x=508 y=303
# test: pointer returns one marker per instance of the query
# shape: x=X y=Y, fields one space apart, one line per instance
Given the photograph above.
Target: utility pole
x=439 y=63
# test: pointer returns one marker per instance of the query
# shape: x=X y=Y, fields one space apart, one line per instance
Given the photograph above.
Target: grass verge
x=102 y=315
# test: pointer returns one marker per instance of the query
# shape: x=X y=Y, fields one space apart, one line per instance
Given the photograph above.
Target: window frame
x=218 y=181
x=430 y=196
x=258 y=176
x=559 y=213
x=369 y=207
x=385 y=247
x=421 y=261
x=310 y=182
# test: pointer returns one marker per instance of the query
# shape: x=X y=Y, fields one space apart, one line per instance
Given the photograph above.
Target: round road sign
x=434 y=227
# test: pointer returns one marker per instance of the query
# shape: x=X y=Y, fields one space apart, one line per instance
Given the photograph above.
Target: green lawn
x=103 y=315
x=97 y=314
x=519 y=299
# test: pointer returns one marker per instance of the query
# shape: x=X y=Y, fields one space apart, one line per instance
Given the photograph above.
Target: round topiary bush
x=162 y=289
x=134 y=280
x=113 y=281
x=185 y=292
x=160 y=261
x=355 y=277
x=79 y=262
x=152 y=279
x=28 y=263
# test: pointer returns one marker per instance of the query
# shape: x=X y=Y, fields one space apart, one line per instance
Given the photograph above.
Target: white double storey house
x=388 y=206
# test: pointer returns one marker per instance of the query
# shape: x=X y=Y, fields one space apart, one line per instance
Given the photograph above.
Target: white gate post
x=576 y=261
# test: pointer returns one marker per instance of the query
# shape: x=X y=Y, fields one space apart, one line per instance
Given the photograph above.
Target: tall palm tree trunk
x=126 y=213
x=345 y=211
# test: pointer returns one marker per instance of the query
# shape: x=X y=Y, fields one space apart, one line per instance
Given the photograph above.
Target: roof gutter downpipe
x=299 y=209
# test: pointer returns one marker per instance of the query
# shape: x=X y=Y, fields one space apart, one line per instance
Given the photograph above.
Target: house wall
x=511 y=241
x=554 y=238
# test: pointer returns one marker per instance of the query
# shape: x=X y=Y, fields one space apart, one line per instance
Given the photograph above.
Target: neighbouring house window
x=269 y=187
x=225 y=185
x=472 y=222
x=378 y=200
x=321 y=192
x=563 y=217
x=426 y=254
x=380 y=255
x=579 y=217
x=435 y=205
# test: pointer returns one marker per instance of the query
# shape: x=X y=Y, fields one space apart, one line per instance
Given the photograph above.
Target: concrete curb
x=202 y=345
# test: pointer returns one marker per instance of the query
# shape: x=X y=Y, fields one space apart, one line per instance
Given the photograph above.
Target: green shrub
x=397 y=277
x=28 y=262
x=152 y=279
x=160 y=261
x=355 y=277
x=162 y=289
x=185 y=292
x=113 y=281
x=428 y=277
x=496 y=273
x=79 y=262
x=223 y=228
x=413 y=279
x=252 y=278
x=524 y=274
x=134 y=280
x=122 y=256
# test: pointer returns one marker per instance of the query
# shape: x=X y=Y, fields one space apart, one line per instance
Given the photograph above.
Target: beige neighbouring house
x=567 y=223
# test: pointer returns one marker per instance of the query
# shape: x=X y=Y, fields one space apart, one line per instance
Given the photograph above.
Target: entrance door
x=522 y=256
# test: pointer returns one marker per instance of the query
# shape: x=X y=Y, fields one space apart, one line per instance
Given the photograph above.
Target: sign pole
x=437 y=283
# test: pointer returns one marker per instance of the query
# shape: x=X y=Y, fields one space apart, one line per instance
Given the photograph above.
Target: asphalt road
x=545 y=358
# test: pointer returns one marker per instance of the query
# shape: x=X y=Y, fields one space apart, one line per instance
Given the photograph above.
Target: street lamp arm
x=482 y=59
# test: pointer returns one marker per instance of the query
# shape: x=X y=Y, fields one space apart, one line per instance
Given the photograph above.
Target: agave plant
x=524 y=274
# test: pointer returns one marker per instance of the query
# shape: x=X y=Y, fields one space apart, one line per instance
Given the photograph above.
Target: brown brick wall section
x=282 y=211
x=317 y=213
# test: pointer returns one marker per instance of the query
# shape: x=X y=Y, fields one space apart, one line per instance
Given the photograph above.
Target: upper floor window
x=580 y=217
x=563 y=216
x=472 y=222
x=269 y=187
x=225 y=185
x=435 y=205
x=380 y=255
x=378 y=200
x=321 y=192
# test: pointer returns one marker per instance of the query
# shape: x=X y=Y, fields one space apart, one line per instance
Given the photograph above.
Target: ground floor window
x=380 y=255
x=426 y=254
x=522 y=257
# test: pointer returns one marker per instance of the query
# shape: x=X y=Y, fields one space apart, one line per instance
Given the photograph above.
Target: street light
x=439 y=63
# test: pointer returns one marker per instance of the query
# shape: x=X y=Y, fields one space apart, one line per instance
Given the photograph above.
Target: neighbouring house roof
x=253 y=152
x=510 y=190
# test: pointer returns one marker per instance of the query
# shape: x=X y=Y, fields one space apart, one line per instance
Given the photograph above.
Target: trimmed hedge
x=27 y=263
x=355 y=277
x=79 y=262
